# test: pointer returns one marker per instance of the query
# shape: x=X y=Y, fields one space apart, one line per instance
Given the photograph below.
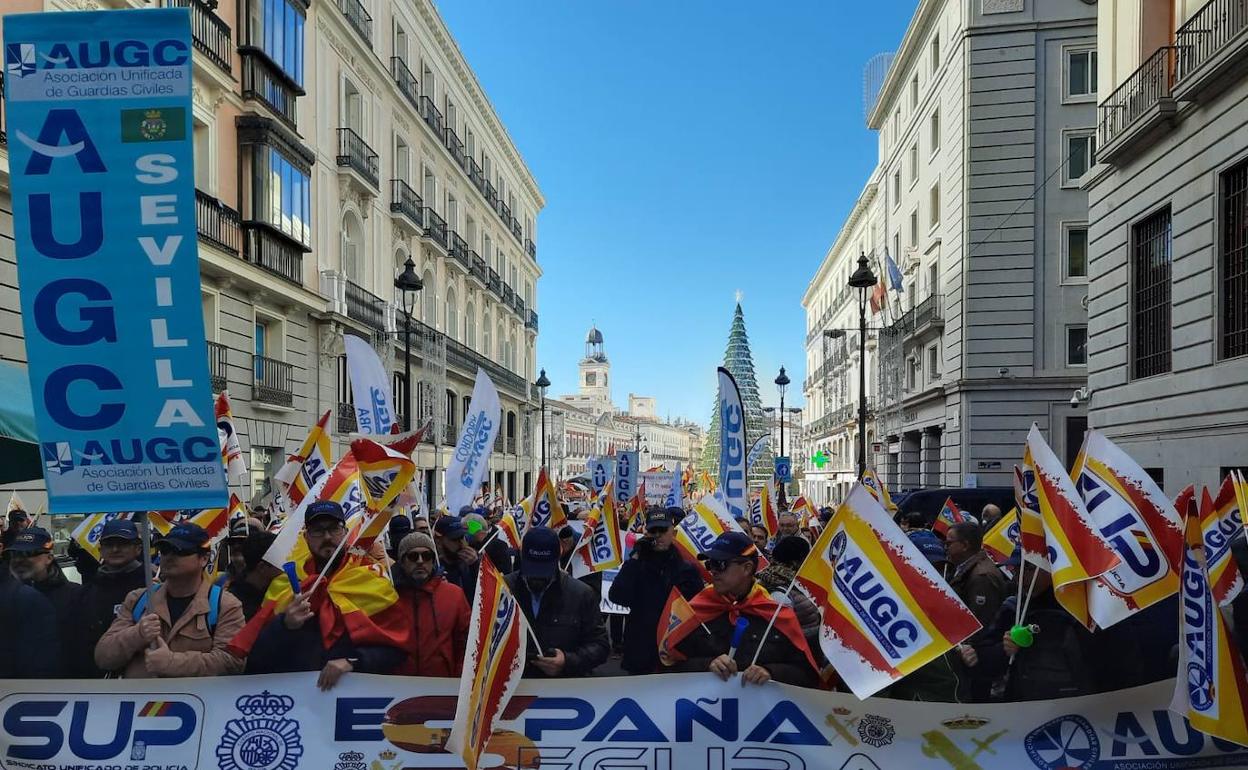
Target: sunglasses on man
x=418 y=557
x=719 y=565
x=657 y=530
x=168 y=549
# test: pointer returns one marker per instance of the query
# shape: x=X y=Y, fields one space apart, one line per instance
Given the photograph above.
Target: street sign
x=784 y=469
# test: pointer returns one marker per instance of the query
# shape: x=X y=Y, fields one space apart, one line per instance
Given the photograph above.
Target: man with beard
x=439 y=610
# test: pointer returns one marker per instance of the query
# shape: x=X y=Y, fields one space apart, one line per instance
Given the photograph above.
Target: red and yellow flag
x=1211 y=689
x=493 y=664
x=878 y=490
x=542 y=508
x=679 y=619
x=509 y=530
x=1220 y=524
x=87 y=534
x=949 y=515
x=698 y=529
x=601 y=547
x=305 y=469
x=763 y=511
x=231 y=451
x=1003 y=538
x=676 y=613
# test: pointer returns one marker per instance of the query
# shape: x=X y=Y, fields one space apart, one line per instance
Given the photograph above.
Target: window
x=914 y=91
x=913 y=373
x=1233 y=261
x=1081 y=73
x=352 y=107
x=261 y=339
x=914 y=228
x=934 y=131
x=470 y=326
x=266 y=461
x=402 y=159
x=428 y=301
x=352 y=248
x=208 y=304
x=1076 y=346
x=452 y=315
x=914 y=163
x=486 y=338
x=281 y=194
x=277 y=29
x=1076 y=243
x=933 y=362
x=398 y=386
x=935 y=53
x=591 y=379
x=933 y=200
x=1150 y=295
x=430 y=186
x=201 y=142
x=896 y=188
x=933 y=278
x=1080 y=155
x=896 y=247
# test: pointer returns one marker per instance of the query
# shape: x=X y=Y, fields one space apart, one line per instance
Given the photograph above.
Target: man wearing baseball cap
x=563 y=612
x=181 y=626
x=730 y=616
x=458 y=559
x=31 y=561
x=644 y=583
x=120 y=572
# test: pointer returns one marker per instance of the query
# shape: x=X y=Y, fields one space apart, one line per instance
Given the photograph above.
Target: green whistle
x=474 y=527
x=1023 y=636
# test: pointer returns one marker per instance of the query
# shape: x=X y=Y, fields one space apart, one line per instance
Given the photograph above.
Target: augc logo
x=19 y=59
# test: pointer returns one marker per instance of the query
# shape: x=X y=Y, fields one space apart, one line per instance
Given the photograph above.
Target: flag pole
x=774 y=615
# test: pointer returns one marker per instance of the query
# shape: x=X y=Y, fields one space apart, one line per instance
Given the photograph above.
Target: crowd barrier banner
x=685 y=721
x=99 y=122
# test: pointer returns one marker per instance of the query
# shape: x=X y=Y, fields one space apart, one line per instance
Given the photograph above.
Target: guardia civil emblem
x=263 y=739
x=153 y=125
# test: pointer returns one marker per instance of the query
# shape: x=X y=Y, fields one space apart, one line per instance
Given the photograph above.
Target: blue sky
x=686 y=150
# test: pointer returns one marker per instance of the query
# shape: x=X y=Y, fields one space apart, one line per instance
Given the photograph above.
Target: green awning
x=19 y=450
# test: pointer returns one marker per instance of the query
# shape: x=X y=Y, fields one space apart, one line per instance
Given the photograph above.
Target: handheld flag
x=509 y=530
x=949 y=515
x=1210 y=690
x=288 y=537
x=370 y=386
x=15 y=503
x=708 y=520
x=1003 y=538
x=87 y=534
x=542 y=509
x=310 y=466
x=878 y=490
x=1220 y=525
x=231 y=451
x=600 y=547
x=493 y=663
x=763 y=511
x=675 y=613
x=469 y=465
x=861 y=564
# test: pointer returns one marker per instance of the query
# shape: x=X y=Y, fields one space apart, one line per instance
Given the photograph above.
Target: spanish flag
x=306 y=468
x=676 y=613
x=493 y=665
x=1210 y=690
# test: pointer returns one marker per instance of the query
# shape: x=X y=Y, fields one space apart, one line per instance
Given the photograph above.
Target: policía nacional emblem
x=263 y=739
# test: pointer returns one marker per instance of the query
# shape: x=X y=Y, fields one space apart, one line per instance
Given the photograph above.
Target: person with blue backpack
x=179 y=627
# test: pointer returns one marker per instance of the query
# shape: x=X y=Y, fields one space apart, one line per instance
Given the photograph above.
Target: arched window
x=429 y=301
x=501 y=357
x=470 y=326
x=511 y=352
x=352 y=248
x=452 y=315
x=486 y=350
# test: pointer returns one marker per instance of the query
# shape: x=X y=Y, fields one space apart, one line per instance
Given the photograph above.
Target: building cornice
x=861 y=207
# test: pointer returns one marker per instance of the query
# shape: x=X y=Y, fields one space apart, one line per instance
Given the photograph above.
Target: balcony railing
x=209 y=32
x=275 y=253
x=1145 y=92
x=467 y=361
x=459 y=250
x=435 y=227
x=511 y=445
x=346 y=419
x=456 y=147
x=928 y=313
x=354 y=153
x=450 y=435
x=358 y=18
x=495 y=282
x=264 y=81
x=531 y=321
x=432 y=116
x=509 y=296
x=404 y=200
x=504 y=212
x=217 y=223
x=517 y=231
x=1211 y=36
x=531 y=248
x=406 y=81
x=491 y=195
x=218 y=367
x=274 y=381
x=476 y=175
x=479 y=270
x=365 y=307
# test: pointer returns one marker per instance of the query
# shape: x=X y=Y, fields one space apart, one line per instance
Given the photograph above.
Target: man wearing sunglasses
x=174 y=629
x=120 y=572
x=31 y=561
x=440 y=610
x=711 y=642
x=644 y=583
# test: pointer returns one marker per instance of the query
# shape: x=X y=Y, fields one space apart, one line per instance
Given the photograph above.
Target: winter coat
x=193 y=649
x=460 y=574
x=981 y=585
x=499 y=553
x=96 y=609
x=63 y=594
x=644 y=584
x=29 y=641
x=440 y=612
x=248 y=595
x=776 y=579
x=1059 y=664
x=569 y=620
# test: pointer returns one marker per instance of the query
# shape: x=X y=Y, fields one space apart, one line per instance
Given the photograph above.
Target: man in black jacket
x=30 y=645
x=120 y=572
x=251 y=583
x=562 y=612
x=458 y=559
x=643 y=585
x=32 y=562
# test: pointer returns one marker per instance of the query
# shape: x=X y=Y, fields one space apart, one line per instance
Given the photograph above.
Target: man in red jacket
x=439 y=608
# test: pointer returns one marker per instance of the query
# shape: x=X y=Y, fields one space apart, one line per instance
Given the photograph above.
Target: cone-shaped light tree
x=739 y=361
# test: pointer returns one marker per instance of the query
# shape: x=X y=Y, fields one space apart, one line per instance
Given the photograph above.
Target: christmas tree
x=739 y=361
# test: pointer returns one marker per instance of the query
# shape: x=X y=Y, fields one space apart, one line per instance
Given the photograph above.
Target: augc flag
x=310 y=466
x=949 y=515
x=1220 y=525
x=492 y=666
x=696 y=531
x=1210 y=689
x=732 y=445
x=886 y=610
x=1003 y=538
x=1138 y=521
x=542 y=509
x=601 y=547
x=763 y=511
x=231 y=451
x=878 y=490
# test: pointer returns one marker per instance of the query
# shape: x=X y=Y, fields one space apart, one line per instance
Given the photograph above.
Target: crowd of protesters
x=188 y=625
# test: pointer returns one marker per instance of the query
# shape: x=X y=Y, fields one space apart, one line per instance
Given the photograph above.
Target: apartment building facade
x=322 y=165
x=1168 y=247
x=986 y=123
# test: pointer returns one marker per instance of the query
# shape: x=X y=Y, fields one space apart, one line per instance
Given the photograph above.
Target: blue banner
x=600 y=471
x=732 y=445
x=99 y=123
x=626 y=476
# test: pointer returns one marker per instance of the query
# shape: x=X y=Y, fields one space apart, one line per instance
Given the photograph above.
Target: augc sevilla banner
x=99 y=125
x=661 y=722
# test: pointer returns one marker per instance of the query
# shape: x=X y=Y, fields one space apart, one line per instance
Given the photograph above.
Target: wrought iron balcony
x=517 y=231
x=358 y=18
x=531 y=321
x=406 y=204
x=530 y=248
x=218 y=367
x=406 y=81
x=467 y=361
x=217 y=223
x=266 y=248
x=491 y=195
x=511 y=445
x=459 y=251
x=346 y=418
x=209 y=32
x=479 y=270
x=509 y=297
x=432 y=116
x=504 y=213
x=495 y=282
x=265 y=82
x=435 y=227
x=1138 y=108
x=1211 y=44
x=365 y=307
x=274 y=381
x=476 y=175
x=928 y=314
x=456 y=147
x=354 y=153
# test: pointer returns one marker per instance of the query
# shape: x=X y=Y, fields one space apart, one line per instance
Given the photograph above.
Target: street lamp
x=542 y=384
x=409 y=284
x=862 y=279
x=782 y=384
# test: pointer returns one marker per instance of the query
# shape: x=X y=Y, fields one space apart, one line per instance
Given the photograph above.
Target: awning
x=19 y=450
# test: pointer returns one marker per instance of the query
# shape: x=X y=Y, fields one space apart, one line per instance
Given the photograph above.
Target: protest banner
x=626 y=477
x=732 y=445
x=370 y=386
x=469 y=465
x=687 y=721
x=103 y=190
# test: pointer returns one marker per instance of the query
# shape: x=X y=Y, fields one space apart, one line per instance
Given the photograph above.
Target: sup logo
x=264 y=740
x=100 y=729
